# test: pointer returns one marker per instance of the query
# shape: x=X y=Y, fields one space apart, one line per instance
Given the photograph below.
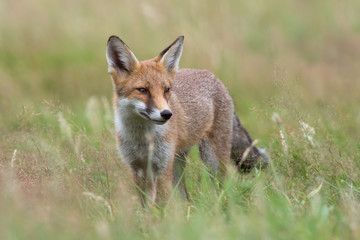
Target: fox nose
x=166 y=114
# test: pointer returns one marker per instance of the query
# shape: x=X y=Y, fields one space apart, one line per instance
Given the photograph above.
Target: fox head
x=143 y=87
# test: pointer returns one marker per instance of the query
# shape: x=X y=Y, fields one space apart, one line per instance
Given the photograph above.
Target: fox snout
x=166 y=114
x=152 y=114
x=159 y=116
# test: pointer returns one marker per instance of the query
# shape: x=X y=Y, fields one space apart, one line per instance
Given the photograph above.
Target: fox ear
x=119 y=57
x=170 y=56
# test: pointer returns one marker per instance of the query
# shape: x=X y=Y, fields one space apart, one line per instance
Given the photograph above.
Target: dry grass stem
x=246 y=152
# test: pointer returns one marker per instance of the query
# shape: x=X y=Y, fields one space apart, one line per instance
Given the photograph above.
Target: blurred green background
x=54 y=50
x=299 y=59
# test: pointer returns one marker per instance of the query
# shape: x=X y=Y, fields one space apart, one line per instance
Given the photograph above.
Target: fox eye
x=167 y=90
x=142 y=90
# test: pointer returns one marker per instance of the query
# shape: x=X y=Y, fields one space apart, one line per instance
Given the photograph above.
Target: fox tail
x=241 y=142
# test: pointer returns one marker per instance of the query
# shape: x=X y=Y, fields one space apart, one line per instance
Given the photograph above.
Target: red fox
x=162 y=112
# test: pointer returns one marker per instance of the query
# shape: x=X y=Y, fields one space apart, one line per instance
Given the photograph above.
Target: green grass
x=66 y=181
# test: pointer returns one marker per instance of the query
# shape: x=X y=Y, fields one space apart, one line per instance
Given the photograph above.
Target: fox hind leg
x=215 y=150
x=208 y=157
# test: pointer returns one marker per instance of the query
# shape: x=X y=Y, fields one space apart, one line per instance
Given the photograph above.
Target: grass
x=60 y=174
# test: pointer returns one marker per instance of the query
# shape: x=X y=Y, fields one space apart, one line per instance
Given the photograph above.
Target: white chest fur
x=141 y=140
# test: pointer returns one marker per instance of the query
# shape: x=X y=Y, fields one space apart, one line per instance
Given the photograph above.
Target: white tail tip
x=265 y=158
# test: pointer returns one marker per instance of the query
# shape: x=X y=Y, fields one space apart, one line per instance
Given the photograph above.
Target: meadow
x=292 y=68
